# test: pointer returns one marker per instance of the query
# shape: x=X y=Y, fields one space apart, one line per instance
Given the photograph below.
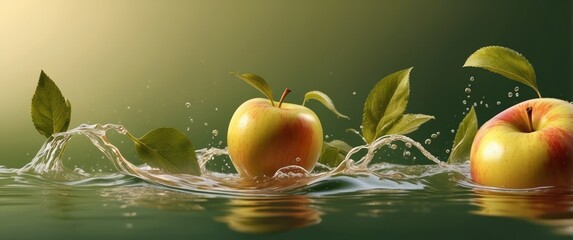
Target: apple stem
x=285 y=93
x=529 y=116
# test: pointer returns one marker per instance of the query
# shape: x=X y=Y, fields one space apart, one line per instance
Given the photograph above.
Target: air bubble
x=434 y=135
x=447 y=150
x=188 y=104
x=216 y=109
x=191 y=120
x=206 y=124
x=464 y=102
x=516 y=94
x=326 y=136
x=408 y=145
x=472 y=78
x=128 y=107
x=393 y=146
x=486 y=105
x=468 y=90
x=475 y=104
x=188 y=128
x=498 y=103
x=297 y=159
x=452 y=131
x=428 y=141
x=353 y=93
x=407 y=153
x=516 y=89
x=215 y=132
x=438 y=133
x=509 y=94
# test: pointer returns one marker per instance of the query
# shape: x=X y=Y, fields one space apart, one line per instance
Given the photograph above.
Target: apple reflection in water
x=268 y=214
x=552 y=208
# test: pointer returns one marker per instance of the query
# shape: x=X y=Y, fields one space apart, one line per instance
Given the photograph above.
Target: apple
x=264 y=136
x=527 y=145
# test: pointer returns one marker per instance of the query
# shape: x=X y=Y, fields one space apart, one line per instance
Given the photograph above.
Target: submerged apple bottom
x=263 y=138
x=511 y=151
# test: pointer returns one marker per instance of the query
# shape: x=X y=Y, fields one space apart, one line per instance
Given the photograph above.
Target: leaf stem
x=285 y=93
x=133 y=138
x=538 y=93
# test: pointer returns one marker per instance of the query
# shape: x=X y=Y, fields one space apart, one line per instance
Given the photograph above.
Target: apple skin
x=263 y=138
x=506 y=154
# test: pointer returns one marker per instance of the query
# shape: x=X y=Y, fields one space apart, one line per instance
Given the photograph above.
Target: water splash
x=48 y=164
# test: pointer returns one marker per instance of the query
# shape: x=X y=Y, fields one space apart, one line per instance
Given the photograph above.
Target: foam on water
x=48 y=164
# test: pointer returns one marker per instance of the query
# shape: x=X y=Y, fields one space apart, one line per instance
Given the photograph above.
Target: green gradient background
x=138 y=62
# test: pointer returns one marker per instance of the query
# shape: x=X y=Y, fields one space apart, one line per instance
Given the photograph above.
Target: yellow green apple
x=528 y=145
x=263 y=138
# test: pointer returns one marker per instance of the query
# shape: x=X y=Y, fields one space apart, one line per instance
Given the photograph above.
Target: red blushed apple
x=264 y=137
x=527 y=145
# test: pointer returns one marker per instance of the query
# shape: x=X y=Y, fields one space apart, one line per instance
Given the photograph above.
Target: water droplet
x=147 y=86
x=393 y=146
x=188 y=104
x=361 y=126
x=188 y=128
x=297 y=159
x=464 y=102
x=469 y=96
x=486 y=105
x=509 y=94
x=407 y=153
x=220 y=142
x=516 y=94
x=408 y=145
x=191 y=120
x=128 y=107
x=475 y=104
x=516 y=88
x=206 y=124
x=434 y=135
x=353 y=93
x=468 y=90
x=447 y=150
x=438 y=133
x=472 y=78
x=428 y=141
x=480 y=102
x=215 y=132
x=452 y=131
x=498 y=103
x=326 y=136
x=216 y=109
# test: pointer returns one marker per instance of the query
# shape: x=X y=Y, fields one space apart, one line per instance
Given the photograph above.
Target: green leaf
x=334 y=152
x=408 y=123
x=385 y=104
x=51 y=112
x=258 y=82
x=504 y=61
x=464 y=138
x=169 y=150
x=325 y=100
